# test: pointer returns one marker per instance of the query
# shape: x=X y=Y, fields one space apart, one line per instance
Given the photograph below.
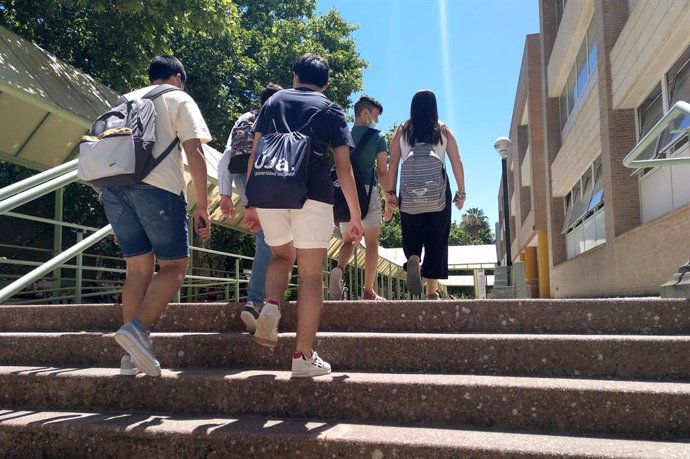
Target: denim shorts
x=147 y=219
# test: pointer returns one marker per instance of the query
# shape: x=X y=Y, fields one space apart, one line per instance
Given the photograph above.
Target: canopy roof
x=45 y=104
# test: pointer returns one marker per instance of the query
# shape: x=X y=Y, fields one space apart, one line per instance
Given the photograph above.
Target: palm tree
x=474 y=221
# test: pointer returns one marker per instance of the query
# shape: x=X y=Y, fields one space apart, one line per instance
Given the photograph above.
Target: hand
x=388 y=213
x=227 y=207
x=392 y=200
x=202 y=224
x=251 y=219
x=459 y=199
x=355 y=230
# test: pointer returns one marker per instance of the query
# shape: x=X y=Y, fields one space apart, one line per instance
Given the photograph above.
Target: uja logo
x=280 y=165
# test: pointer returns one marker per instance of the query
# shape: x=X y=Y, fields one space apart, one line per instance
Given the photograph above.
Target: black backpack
x=341 y=211
x=281 y=166
x=118 y=149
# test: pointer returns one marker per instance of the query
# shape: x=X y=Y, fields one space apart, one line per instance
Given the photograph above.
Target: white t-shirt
x=439 y=148
x=177 y=115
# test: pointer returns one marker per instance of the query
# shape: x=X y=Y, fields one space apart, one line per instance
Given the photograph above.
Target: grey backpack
x=423 y=181
x=118 y=149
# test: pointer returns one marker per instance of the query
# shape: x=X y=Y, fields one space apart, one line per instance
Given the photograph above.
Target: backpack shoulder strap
x=311 y=118
x=364 y=140
x=160 y=90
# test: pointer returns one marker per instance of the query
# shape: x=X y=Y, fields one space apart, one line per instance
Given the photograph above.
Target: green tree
x=230 y=48
x=476 y=225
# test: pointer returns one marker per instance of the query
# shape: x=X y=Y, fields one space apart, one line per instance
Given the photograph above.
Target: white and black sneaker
x=308 y=367
x=249 y=315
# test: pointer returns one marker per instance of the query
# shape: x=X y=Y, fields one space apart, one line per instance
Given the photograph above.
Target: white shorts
x=374 y=214
x=310 y=227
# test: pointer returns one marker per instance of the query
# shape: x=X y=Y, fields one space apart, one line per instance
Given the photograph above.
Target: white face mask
x=371 y=124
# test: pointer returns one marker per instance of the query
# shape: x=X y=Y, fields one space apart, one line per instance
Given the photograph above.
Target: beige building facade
x=608 y=70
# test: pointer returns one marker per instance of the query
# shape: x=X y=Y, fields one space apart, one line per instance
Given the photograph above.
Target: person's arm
x=343 y=168
x=197 y=169
x=251 y=216
x=456 y=164
x=391 y=198
x=227 y=206
x=382 y=169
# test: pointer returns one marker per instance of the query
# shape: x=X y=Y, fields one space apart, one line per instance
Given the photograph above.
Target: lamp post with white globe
x=502 y=146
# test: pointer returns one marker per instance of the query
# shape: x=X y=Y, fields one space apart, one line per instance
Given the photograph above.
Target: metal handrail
x=54 y=263
x=631 y=161
x=29 y=195
x=34 y=180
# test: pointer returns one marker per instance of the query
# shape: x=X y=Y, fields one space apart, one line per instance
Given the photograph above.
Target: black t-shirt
x=288 y=110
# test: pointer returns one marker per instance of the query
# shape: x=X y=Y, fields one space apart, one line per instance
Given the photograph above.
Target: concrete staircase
x=481 y=379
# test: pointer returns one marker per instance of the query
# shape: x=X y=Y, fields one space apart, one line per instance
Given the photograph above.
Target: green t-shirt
x=366 y=157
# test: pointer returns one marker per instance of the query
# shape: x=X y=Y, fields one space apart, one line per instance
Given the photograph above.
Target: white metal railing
x=680 y=108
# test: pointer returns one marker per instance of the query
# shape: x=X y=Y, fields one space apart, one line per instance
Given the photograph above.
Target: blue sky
x=471 y=60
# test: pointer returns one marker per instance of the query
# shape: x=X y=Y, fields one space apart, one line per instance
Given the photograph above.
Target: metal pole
x=78 y=275
x=506 y=211
x=237 y=280
x=57 y=234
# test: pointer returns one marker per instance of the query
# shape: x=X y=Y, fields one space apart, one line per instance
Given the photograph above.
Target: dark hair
x=164 y=66
x=369 y=102
x=311 y=69
x=423 y=126
x=268 y=91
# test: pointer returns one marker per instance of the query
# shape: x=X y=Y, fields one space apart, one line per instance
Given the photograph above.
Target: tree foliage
x=230 y=48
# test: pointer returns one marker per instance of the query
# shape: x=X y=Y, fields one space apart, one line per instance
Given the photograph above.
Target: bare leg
x=431 y=286
x=310 y=265
x=371 y=239
x=279 y=270
x=346 y=251
x=139 y=275
x=165 y=283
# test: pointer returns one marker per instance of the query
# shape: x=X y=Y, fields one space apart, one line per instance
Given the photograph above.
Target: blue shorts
x=145 y=219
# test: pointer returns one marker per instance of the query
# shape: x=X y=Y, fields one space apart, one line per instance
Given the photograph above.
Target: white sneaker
x=335 y=283
x=266 y=333
x=308 y=367
x=127 y=366
x=249 y=315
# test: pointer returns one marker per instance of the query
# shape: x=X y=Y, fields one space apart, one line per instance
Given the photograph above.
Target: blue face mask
x=371 y=124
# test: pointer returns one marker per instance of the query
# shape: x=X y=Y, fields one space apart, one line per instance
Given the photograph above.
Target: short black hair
x=369 y=102
x=311 y=69
x=268 y=91
x=164 y=66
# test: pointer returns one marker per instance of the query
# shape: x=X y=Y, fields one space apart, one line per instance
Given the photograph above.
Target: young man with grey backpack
x=369 y=160
x=149 y=214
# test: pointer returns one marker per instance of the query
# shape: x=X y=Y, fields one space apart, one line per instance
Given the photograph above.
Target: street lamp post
x=502 y=146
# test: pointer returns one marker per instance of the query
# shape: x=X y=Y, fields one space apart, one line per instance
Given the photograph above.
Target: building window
x=678 y=81
x=665 y=189
x=648 y=114
x=584 y=223
x=581 y=73
x=591 y=48
x=560 y=8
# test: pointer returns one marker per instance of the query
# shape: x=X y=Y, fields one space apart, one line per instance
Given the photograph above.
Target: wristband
x=391 y=192
x=249 y=208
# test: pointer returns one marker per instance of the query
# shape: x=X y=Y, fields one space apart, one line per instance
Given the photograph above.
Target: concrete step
x=30 y=434
x=604 y=316
x=584 y=407
x=597 y=356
